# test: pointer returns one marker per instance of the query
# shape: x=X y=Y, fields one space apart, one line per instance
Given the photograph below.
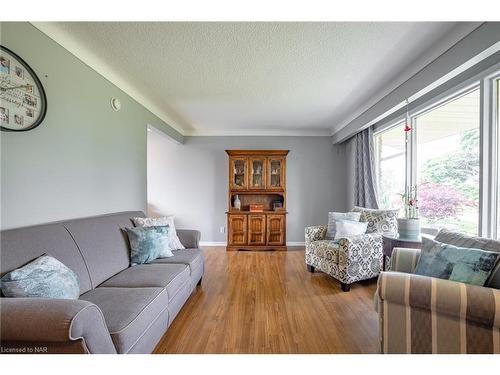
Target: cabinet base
x=256 y=248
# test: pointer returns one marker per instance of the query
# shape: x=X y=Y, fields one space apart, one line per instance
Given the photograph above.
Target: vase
x=237 y=203
x=409 y=228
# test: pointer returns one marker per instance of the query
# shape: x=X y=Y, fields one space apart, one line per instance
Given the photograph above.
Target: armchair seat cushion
x=325 y=249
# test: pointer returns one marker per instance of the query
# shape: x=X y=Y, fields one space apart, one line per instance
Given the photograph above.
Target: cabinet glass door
x=239 y=173
x=257 y=173
x=276 y=173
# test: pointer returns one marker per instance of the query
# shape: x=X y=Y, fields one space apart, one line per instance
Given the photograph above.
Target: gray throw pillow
x=148 y=243
x=464 y=240
x=461 y=264
x=45 y=277
x=333 y=217
x=379 y=221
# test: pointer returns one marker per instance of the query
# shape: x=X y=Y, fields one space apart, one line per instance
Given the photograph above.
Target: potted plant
x=409 y=225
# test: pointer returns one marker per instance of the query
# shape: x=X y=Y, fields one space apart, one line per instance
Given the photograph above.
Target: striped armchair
x=348 y=260
x=420 y=314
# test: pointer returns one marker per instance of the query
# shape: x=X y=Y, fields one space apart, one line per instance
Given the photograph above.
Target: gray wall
x=190 y=180
x=84 y=159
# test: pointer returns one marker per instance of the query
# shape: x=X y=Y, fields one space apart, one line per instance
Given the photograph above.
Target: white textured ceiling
x=251 y=78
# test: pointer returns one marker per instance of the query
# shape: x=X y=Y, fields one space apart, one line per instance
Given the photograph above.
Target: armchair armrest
x=472 y=303
x=315 y=233
x=404 y=260
x=189 y=238
x=32 y=320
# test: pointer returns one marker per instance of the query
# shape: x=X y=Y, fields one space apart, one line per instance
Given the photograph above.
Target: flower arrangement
x=409 y=225
x=410 y=202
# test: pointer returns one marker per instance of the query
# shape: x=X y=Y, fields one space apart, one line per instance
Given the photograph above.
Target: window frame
x=393 y=124
x=489 y=129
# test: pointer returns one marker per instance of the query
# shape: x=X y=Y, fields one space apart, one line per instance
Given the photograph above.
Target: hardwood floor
x=267 y=302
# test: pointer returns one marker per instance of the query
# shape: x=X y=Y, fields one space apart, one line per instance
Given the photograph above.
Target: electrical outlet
x=222 y=229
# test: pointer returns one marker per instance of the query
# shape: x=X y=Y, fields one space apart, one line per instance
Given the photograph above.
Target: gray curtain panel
x=365 y=187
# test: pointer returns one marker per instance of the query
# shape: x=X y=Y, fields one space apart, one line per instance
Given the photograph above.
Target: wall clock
x=23 y=103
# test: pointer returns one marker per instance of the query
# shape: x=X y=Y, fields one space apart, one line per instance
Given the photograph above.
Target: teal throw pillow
x=45 y=277
x=465 y=265
x=148 y=243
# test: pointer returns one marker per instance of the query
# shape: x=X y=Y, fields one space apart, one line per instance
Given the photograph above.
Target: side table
x=390 y=241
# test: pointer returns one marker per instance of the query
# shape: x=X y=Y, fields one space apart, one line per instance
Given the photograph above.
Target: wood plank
x=267 y=302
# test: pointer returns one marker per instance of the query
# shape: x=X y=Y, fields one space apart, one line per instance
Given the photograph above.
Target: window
x=497 y=109
x=390 y=166
x=447 y=164
x=452 y=157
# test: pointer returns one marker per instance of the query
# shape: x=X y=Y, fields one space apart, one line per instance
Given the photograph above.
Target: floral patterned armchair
x=350 y=259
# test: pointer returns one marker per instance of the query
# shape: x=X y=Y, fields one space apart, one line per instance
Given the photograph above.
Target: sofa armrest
x=404 y=260
x=189 y=238
x=315 y=233
x=33 y=320
x=354 y=249
x=472 y=303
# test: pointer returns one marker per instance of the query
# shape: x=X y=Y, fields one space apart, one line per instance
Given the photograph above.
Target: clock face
x=23 y=103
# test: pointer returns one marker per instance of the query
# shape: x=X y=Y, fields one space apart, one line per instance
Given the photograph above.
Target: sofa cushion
x=103 y=243
x=20 y=246
x=326 y=249
x=169 y=276
x=191 y=257
x=128 y=311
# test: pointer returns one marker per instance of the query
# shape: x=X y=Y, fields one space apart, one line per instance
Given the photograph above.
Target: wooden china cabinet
x=257 y=178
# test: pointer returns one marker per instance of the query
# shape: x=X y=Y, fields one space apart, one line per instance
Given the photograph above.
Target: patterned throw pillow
x=449 y=262
x=463 y=240
x=175 y=243
x=45 y=277
x=333 y=217
x=148 y=243
x=379 y=221
x=349 y=228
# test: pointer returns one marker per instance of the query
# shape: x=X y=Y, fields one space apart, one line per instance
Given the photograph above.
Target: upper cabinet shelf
x=257 y=170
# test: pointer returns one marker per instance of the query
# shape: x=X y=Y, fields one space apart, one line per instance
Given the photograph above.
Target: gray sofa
x=121 y=309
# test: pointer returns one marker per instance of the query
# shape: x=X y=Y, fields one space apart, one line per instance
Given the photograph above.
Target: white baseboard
x=211 y=243
x=295 y=244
